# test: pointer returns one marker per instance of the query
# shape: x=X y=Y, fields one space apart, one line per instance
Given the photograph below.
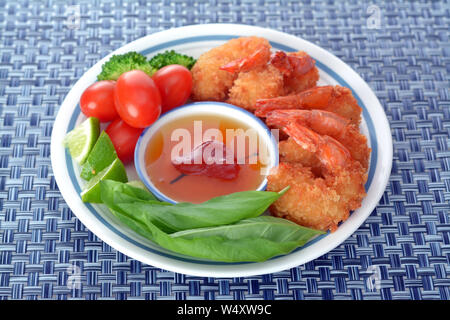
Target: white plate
x=194 y=40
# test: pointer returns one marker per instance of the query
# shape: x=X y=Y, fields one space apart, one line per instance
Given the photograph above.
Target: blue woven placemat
x=401 y=49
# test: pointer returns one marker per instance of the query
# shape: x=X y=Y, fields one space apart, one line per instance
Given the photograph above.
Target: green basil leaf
x=251 y=240
x=227 y=228
x=113 y=193
x=269 y=227
x=182 y=216
x=127 y=191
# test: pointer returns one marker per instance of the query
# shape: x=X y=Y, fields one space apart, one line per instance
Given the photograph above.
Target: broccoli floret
x=171 y=57
x=118 y=64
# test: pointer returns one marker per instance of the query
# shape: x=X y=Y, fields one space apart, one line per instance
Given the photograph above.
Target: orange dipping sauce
x=199 y=188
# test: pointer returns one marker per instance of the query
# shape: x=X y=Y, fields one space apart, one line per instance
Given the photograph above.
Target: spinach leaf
x=172 y=218
x=252 y=240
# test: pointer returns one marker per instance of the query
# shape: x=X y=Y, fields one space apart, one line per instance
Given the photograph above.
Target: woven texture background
x=403 y=247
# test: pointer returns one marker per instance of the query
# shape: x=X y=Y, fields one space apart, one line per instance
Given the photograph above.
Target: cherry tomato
x=124 y=139
x=98 y=101
x=175 y=84
x=137 y=99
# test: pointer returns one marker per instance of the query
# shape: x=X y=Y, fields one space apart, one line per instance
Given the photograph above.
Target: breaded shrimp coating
x=309 y=201
x=259 y=83
x=244 y=70
x=321 y=195
x=327 y=123
x=261 y=78
x=212 y=83
x=290 y=151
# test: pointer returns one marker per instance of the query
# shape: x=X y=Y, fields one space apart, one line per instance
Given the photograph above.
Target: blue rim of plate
x=165 y=45
x=155 y=190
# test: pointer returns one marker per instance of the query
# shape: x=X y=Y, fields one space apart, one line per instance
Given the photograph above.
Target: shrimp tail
x=259 y=57
x=290 y=65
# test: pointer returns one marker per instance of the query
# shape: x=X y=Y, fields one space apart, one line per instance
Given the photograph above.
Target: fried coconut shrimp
x=212 y=83
x=321 y=193
x=251 y=86
x=326 y=123
x=302 y=75
x=264 y=79
x=244 y=70
x=336 y=99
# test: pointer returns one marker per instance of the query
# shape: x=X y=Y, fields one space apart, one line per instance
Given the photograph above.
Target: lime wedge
x=115 y=171
x=101 y=156
x=80 y=140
